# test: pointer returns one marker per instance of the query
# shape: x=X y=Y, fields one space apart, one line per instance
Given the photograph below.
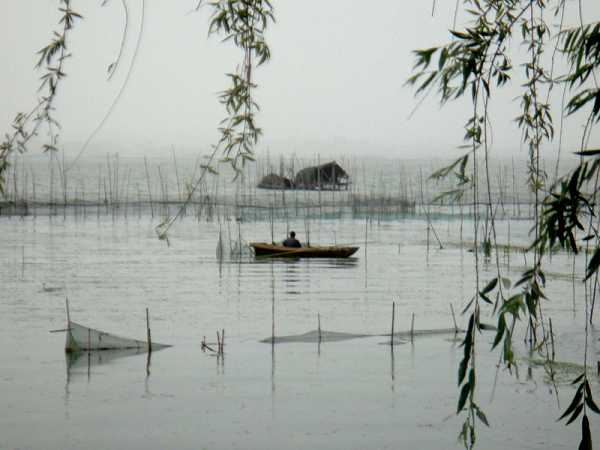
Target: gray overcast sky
x=334 y=84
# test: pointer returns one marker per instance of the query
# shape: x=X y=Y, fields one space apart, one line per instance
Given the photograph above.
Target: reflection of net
x=80 y=361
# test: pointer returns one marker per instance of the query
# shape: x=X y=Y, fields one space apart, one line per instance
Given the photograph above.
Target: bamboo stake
x=393 y=320
x=15 y=188
x=148 y=362
x=319 y=325
x=412 y=327
x=110 y=179
x=366 y=235
x=423 y=206
x=68 y=314
x=163 y=188
x=454 y=319
x=148 y=183
x=205 y=346
x=33 y=186
x=51 y=196
x=552 y=339
x=176 y=175
x=116 y=180
x=272 y=306
x=127 y=198
x=148 y=331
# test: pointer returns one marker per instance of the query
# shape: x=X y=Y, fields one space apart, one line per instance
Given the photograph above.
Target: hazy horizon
x=335 y=84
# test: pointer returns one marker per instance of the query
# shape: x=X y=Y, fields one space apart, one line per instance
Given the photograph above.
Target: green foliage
x=564 y=207
x=582 y=48
x=476 y=64
x=581 y=402
x=243 y=22
x=458 y=170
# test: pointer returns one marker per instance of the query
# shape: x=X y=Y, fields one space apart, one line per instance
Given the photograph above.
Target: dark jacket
x=292 y=242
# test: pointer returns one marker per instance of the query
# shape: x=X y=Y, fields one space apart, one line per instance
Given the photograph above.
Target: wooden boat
x=273 y=250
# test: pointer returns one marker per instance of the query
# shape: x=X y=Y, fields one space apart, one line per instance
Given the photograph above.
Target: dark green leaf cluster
x=582 y=47
x=458 y=169
x=563 y=208
x=467 y=383
x=582 y=400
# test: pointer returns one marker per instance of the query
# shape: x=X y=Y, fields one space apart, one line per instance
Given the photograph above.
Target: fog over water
x=85 y=228
x=335 y=83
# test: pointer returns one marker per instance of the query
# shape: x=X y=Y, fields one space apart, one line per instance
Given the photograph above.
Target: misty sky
x=335 y=84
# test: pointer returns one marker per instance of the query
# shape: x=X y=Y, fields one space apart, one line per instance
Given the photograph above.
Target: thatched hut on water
x=328 y=176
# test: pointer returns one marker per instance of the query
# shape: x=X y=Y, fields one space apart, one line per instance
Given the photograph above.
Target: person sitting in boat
x=292 y=241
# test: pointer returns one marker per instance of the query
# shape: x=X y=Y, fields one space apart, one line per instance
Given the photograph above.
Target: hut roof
x=328 y=173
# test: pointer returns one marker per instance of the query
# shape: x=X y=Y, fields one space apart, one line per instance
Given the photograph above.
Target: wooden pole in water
x=366 y=234
x=149 y=189
x=110 y=180
x=552 y=338
x=454 y=319
x=272 y=309
x=68 y=314
x=272 y=219
x=319 y=325
x=116 y=195
x=423 y=206
x=412 y=327
x=179 y=197
x=68 y=347
x=148 y=335
x=393 y=320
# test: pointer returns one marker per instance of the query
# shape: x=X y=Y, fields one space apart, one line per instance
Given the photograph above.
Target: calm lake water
x=352 y=394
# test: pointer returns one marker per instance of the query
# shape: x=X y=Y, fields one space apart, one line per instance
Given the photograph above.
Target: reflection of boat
x=332 y=251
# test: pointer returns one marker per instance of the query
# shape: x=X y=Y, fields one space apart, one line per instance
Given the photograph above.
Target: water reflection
x=81 y=363
x=193 y=274
x=330 y=263
x=392 y=366
x=292 y=279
